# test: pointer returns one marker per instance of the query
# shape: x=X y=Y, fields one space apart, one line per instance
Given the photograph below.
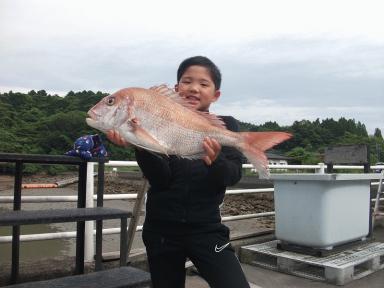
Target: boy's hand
x=115 y=138
x=212 y=149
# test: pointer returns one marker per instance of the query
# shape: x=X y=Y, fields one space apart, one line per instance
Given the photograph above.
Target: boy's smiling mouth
x=192 y=98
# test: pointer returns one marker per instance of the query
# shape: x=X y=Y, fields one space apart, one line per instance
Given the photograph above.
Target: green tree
x=59 y=131
x=378 y=133
x=302 y=156
x=37 y=122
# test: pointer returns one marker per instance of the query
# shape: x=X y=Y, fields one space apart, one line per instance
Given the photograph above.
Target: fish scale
x=189 y=142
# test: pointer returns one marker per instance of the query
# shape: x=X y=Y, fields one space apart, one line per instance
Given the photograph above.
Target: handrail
x=319 y=168
x=133 y=196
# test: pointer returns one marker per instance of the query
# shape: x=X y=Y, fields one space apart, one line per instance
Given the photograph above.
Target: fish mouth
x=92 y=119
x=92 y=115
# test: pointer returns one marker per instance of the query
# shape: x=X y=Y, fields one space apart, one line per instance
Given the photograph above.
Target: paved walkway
x=264 y=278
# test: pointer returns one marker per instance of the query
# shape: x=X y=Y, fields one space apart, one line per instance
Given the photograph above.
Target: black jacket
x=188 y=191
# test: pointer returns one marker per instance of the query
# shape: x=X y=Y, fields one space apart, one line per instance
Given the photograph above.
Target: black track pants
x=209 y=251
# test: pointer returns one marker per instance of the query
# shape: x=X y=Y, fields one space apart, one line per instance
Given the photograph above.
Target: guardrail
x=91 y=197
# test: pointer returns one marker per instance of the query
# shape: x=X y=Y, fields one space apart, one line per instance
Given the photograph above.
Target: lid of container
x=326 y=177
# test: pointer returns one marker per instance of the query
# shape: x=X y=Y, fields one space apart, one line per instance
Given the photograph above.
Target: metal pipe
x=245 y=191
x=48 y=199
x=109 y=231
x=275 y=166
x=122 y=163
x=80 y=225
x=59 y=235
x=133 y=196
x=99 y=223
x=16 y=229
x=38 y=199
x=89 y=247
x=247 y=216
x=380 y=199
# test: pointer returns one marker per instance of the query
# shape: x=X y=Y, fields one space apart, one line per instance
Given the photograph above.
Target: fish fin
x=164 y=90
x=259 y=161
x=213 y=119
x=254 y=145
x=265 y=140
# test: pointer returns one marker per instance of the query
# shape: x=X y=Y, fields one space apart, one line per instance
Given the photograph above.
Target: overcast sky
x=281 y=60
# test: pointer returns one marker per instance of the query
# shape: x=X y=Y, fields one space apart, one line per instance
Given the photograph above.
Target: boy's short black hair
x=201 y=61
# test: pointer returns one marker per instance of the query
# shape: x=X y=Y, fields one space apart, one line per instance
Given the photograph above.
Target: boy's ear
x=177 y=87
x=217 y=95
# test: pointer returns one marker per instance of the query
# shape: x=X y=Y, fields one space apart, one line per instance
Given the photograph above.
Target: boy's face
x=197 y=87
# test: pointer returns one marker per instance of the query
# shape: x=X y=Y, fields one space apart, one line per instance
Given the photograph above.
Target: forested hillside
x=311 y=137
x=48 y=124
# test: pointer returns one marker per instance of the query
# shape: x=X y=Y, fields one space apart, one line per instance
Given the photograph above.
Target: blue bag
x=88 y=146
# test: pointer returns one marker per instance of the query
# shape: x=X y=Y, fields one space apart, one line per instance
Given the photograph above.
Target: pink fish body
x=159 y=120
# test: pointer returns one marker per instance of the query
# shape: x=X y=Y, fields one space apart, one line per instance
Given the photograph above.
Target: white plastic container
x=322 y=210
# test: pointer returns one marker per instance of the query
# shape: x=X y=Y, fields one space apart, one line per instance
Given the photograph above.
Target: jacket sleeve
x=155 y=167
x=226 y=170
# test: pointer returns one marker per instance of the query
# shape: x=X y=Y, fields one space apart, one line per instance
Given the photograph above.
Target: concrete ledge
x=122 y=277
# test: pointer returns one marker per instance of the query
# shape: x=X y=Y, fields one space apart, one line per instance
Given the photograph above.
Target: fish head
x=112 y=111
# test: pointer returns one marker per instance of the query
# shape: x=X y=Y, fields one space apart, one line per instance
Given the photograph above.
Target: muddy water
x=35 y=249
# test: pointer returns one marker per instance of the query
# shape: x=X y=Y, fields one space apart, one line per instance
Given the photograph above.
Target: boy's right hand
x=212 y=149
x=115 y=138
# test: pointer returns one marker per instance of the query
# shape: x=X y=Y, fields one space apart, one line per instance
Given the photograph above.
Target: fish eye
x=110 y=101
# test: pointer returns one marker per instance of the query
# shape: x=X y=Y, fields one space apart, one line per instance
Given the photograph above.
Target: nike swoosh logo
x=221 y=248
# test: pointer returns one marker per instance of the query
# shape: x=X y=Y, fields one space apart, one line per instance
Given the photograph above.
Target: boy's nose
x=194 y=87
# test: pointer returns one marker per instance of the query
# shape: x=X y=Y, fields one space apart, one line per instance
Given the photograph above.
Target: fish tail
x=255 y=143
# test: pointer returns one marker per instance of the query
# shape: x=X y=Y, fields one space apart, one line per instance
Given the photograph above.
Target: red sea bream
x=159 y=120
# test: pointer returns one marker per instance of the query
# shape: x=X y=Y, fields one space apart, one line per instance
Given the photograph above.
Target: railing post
x=321 y=169
x=89 y=225
x=16 y=229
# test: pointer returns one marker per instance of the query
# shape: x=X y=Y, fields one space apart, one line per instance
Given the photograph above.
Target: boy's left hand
x=212 y=149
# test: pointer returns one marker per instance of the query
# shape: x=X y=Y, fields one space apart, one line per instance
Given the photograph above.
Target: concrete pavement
x=264 y=278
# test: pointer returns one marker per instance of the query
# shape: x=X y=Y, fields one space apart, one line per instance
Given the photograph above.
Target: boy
x=182 y=212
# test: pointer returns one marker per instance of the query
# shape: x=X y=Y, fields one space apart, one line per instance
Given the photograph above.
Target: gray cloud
x=279 y=78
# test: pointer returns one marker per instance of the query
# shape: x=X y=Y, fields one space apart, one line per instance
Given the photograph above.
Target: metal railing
x=91 y=197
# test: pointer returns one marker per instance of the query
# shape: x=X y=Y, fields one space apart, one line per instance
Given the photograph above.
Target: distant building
x=276 y=159
x=273 y=159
